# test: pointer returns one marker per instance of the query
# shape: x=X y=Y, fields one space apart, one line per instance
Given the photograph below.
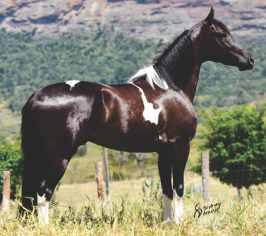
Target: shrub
x=237 y=142
x=10 y=159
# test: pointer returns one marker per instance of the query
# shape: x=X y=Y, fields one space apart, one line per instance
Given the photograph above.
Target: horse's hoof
x=171 y=222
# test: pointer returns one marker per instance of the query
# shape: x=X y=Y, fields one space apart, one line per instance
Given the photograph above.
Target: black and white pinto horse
x=153 y=112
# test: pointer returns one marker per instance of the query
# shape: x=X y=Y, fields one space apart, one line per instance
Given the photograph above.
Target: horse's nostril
x=251 y=61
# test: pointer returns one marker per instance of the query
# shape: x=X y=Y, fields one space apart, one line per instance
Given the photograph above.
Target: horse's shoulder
x=184 y=101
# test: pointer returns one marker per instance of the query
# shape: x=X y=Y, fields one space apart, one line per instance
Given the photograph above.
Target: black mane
x=173 y=62
x=177 y=46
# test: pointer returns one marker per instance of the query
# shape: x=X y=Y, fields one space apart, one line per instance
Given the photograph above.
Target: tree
x=237 y=142
x=11 y=159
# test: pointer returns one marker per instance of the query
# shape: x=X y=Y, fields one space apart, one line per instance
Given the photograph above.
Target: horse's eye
x=220 y=34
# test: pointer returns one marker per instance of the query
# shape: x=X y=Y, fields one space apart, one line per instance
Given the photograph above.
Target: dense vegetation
x=11 y=159
x=236 y=139
x=27 y=64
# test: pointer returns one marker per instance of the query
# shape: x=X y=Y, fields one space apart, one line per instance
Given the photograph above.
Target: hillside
x=28 y=64
x=155 y=19
x=9 y=123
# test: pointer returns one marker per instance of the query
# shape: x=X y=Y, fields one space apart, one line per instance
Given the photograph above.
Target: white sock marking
x=178 y=208
x=72 y=83
x=150 y=113
x=167 y=209
x=172 y=209
x=152 y=77
x=43 y=209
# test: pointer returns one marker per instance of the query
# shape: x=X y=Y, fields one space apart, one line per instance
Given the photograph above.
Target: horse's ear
x=210 y=17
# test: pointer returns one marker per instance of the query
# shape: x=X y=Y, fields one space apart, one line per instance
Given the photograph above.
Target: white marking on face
x=152 y=77
x=150 y=113
x=72 y=83
x=42 y=209
x=172 y=209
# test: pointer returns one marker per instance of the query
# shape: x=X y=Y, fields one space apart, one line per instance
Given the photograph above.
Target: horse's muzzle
x=248 y=65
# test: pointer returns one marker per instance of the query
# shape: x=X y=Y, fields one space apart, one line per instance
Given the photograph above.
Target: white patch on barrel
x=152 y=77
x=150 y=113
x=42 y=209
x=72 y=83
x=172 y=209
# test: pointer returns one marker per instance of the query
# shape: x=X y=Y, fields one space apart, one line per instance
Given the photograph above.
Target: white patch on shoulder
x=150 y=113
x=72 y=83
x=43 y=209
x=152 y=77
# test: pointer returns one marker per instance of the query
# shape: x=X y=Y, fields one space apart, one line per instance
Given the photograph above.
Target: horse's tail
x=31 y=153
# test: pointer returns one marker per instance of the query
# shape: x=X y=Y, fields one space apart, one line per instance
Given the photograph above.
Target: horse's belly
x=143 y=140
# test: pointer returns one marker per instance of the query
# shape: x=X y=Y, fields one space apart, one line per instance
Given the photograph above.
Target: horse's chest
x=167 y=117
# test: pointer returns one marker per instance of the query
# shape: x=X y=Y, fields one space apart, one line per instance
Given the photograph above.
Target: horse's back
x=60 y=94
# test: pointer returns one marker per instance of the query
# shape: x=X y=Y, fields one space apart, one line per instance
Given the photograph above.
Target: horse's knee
x=179 y=189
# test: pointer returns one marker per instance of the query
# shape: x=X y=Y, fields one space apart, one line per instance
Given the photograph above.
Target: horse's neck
x=185 y=77
x=181 y=68
x=191 y=83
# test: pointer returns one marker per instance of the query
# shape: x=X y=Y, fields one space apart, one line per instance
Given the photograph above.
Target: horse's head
x=216 y=43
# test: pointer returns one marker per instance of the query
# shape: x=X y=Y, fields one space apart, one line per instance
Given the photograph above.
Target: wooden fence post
x=99 y=180
x=106 y=172
x=205 y=175
x=6 y=191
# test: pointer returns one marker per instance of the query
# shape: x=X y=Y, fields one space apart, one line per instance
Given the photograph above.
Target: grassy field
x=134 y=208
x=82 y=169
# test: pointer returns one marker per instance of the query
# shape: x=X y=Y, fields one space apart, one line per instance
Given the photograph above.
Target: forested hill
x=27 y=64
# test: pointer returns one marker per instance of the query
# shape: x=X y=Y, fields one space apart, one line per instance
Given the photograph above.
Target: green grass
x=132 y=211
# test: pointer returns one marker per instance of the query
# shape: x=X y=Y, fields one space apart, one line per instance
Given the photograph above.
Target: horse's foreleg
x=180 y=156
x=165 y=171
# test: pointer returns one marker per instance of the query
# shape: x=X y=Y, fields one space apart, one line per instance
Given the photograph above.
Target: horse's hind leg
x=54 y=170
x=30 y=181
